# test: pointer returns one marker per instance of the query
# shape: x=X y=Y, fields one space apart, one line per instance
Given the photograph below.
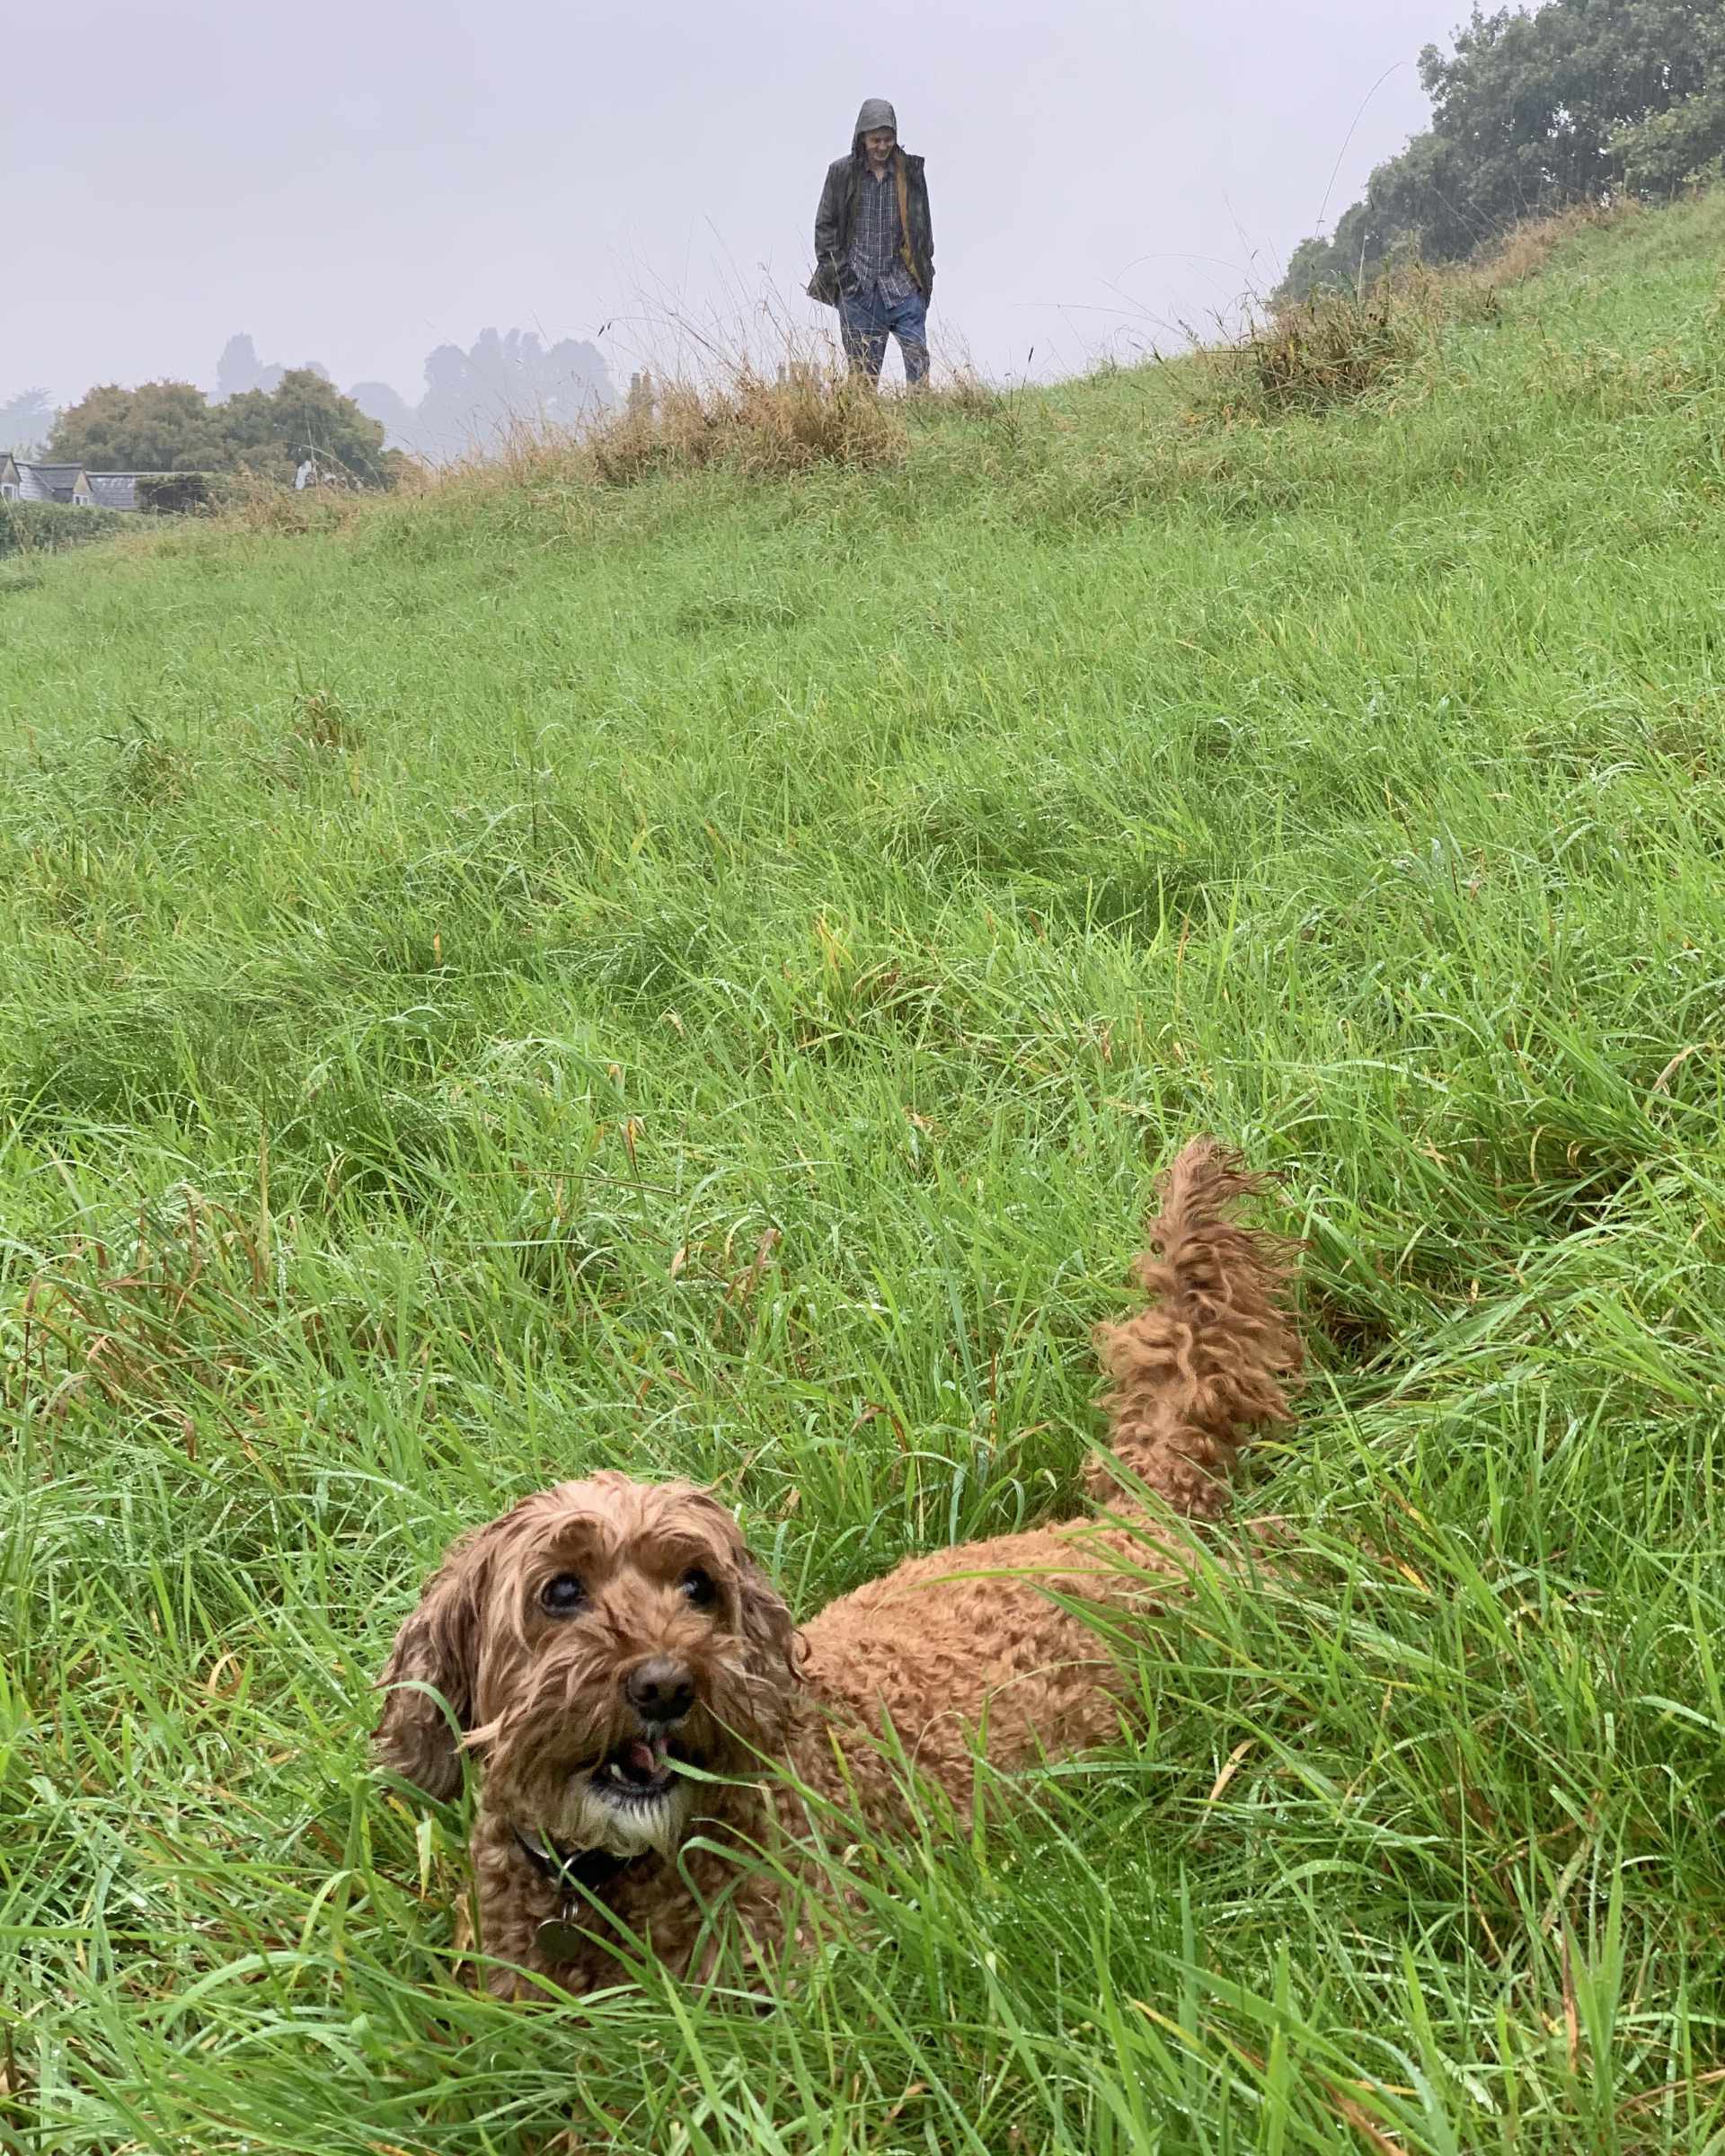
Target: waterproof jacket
x=836 y=220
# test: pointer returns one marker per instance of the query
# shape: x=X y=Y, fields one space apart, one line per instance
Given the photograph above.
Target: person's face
x=878 y=142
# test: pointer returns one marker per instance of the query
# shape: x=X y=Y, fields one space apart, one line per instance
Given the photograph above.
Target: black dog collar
x=578 y=1874
x=572 y=1869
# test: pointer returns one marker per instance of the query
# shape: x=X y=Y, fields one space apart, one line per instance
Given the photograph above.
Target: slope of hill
x=696 y=977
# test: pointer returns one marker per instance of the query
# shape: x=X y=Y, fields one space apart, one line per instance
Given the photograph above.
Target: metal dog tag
x=559 y=1943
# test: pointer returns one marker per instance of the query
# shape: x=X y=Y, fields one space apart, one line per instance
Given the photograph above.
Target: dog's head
x=585 y=1646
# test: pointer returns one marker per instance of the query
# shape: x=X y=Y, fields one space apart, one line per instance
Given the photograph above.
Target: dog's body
x=606 y=1633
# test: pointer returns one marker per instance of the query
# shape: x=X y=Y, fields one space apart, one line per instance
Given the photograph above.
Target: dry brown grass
x=1524 y=251
x=1331 y=348
x=808 y=414
x=247 y=501
x=1336 y=347
x=138 y=1326
x=167 y=1322
x=965 y=393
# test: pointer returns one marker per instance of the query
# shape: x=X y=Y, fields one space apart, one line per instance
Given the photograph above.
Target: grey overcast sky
x=358 y=181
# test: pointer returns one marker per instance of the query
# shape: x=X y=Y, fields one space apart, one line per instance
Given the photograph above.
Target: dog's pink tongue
x=641 y=1759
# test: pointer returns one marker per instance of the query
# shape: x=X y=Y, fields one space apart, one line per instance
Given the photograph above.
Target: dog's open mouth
x=637 y=1772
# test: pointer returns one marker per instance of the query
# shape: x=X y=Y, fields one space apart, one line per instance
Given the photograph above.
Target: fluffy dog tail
x=1215 y=1354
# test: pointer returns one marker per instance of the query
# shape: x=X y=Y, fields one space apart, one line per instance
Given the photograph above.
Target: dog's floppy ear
x=774 y=1647
x=762 y=1616
x=430 y=1674
x=766 y=1623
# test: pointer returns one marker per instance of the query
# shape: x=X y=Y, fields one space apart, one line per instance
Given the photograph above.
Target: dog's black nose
x=661 y=1689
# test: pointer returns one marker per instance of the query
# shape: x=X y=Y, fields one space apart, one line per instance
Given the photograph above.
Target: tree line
x=1581 y=100
x=173 y=427
x=267 y=419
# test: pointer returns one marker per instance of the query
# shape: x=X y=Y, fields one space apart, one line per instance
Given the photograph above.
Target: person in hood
x=874 y=247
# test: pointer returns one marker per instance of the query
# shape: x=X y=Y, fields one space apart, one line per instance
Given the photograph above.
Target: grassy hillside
x=697 y=976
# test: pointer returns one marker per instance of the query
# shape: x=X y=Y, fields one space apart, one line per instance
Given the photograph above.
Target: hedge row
x=52 y=527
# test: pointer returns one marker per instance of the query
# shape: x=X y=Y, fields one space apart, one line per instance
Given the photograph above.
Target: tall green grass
x=697 y=976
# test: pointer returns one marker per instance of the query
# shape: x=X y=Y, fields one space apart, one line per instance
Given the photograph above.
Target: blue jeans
x=866 y=320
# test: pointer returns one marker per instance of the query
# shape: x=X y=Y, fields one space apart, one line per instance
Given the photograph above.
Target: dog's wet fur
x=606 y=1635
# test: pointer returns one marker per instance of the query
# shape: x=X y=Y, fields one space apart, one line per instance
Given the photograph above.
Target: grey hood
x=876 y=113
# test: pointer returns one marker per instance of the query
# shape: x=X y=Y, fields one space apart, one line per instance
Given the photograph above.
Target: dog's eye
x=561 y=1596
x=698 y=1587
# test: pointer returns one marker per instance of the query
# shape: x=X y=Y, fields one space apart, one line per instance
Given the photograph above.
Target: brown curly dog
x=631 y=1681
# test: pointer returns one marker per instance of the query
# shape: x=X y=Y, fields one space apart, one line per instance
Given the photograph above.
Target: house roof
x=48 y=483
x=59 y=482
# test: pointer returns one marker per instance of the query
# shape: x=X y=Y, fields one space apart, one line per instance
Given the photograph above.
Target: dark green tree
x=1579 y=101
x=1670 y=147
x=158 y=426
x=274 y=432
x=171 y=426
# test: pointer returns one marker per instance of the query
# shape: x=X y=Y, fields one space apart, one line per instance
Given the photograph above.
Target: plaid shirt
x=877 y=242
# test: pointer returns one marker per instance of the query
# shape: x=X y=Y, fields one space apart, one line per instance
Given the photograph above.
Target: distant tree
x=269 y=420
x=26 y=421
x=239 y=369
x=158 y=426
x=303 y=416
x=382 y=402
x=473 y=397
x=171 y=427
x=574 y=382
x=1579 y=102
x=444 y=423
